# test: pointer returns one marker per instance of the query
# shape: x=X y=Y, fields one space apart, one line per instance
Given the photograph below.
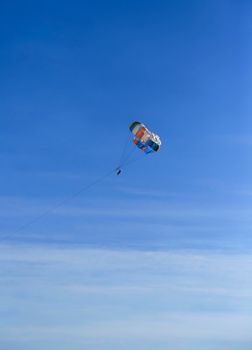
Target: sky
x=160 y=256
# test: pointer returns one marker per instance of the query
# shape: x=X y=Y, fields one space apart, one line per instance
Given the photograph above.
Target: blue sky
x=160 y=256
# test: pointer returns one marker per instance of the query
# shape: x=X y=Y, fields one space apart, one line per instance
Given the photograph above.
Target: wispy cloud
x=128 y=222
x=100 y=295
x=17 y=206
x=164 y=327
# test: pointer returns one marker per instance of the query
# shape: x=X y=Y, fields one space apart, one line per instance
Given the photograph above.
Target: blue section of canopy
x=154 y=146
x=145 y=147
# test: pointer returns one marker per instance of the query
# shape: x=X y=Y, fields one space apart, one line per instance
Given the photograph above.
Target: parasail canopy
x=144 y=139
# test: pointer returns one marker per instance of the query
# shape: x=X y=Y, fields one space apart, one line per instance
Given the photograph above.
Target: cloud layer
x=94 y=297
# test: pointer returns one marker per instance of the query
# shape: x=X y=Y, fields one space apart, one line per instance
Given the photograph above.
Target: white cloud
x=164 y=327
x=101 y=295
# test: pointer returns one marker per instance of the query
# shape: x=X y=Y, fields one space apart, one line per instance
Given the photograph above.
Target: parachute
x=144 y=139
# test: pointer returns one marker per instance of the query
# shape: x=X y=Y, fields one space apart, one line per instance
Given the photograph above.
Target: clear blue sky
x=159 y=257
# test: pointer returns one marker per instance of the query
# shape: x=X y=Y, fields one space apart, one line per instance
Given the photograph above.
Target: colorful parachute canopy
x=144 y=139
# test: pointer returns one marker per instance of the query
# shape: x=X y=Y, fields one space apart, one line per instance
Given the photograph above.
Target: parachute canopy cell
x=144 y=139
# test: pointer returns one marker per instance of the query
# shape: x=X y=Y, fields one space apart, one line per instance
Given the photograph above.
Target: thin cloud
x=86 y=295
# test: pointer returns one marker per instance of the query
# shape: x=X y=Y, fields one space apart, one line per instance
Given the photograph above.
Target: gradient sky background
x=159 y=257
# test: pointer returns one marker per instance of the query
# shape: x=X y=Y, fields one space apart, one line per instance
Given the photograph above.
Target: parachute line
x=58 y=205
